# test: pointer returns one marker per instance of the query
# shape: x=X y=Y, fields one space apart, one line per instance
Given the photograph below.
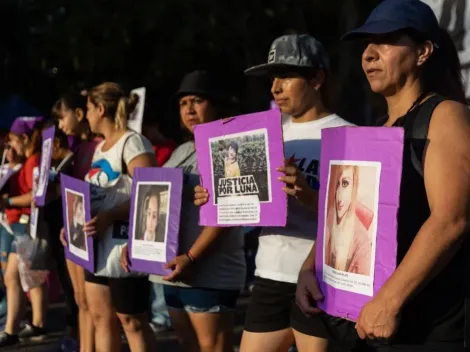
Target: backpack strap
x=419 y=132
x=124 y=170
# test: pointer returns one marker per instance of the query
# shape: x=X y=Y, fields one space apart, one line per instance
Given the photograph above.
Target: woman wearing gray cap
x=298 y=66
x=410 y=61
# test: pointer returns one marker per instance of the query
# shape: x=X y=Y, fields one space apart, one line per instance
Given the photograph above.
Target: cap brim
x=373 y=28
x=266 y=69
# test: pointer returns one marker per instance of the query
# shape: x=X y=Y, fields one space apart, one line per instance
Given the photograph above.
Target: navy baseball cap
x=293 y=51
x=394 y=15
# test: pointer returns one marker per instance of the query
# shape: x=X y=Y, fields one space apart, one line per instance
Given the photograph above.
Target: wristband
x=9 y=202
x=191 y=257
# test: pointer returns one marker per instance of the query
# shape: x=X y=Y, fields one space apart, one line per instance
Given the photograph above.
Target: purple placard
x=155 y=218
x=360 y=176
x=76 y=212
x=237 y=160
x=46 y=155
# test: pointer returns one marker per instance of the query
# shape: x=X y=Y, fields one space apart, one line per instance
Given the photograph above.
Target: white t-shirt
x=282 y=250
x=111 y=186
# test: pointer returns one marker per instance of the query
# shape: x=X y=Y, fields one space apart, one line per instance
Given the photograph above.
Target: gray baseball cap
x=293 y=51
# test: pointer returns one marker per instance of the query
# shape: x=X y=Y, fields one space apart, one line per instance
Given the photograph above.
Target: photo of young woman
x=76 y=222
x=232 y=169
x=151 y=226
x=348 y=237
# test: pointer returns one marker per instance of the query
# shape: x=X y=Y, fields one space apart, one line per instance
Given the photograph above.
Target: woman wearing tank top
x=413 y=63
x=298 y=66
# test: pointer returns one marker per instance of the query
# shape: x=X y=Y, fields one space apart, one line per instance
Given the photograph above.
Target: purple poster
x=76 y=213
x=237 y=160
x=360 y=176
x=46 y=155
x=155 y=218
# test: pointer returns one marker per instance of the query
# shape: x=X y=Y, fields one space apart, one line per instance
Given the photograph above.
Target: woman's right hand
x=201 y=196
x=62 y=237
x=125 y=258
x=308 y=292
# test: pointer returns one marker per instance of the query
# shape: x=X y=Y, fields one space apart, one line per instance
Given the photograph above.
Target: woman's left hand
x=297 y=186
x=178 y=265
x=99 y=224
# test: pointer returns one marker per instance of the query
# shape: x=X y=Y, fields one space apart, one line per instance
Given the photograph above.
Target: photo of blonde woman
x=351 y=211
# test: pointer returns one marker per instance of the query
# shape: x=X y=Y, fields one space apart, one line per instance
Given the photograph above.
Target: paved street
x=56 y=324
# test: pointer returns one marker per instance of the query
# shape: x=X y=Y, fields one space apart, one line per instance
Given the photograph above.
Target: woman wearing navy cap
x=413 y=63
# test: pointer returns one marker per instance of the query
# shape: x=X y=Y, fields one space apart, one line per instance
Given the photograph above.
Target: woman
x=109 y=291
x=209 y=272
x=232 y=169
x=70 y=112
x=25 y=138
x=150 y=226
x=299 y=90
x=348 y=245
x=410 y=61
x=13 y=162
x=38 y=278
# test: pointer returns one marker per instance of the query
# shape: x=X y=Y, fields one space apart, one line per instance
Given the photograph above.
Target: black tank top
x=437 y=312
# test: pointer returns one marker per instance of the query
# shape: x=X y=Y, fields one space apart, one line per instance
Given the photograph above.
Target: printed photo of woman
x=151 y=229
x=232 y=169
x=348 y=243
x=76 y=233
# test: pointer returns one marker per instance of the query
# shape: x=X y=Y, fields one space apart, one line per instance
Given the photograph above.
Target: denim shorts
x=7 y=244
x=200 y=300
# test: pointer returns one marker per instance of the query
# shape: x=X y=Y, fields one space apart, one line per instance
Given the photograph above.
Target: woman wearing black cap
x=202 y=291
x=414 y=64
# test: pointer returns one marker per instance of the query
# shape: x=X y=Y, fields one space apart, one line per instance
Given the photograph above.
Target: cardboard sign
x=360 y=176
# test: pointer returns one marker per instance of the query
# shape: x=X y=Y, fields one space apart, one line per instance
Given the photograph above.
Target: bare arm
x=447 y=181
x=121 y=211
x=207 y=237
x=22 y=201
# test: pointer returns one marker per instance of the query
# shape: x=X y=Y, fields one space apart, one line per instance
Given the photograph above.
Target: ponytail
x=441 y=74
x=126 y=106
x=117 y=105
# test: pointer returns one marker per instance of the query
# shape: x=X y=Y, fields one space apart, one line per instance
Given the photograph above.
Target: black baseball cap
x=395 y=15
x=198 y=82
x=293 y=51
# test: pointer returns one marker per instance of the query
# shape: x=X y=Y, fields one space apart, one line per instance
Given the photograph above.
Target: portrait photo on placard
x=240 y=165
x=45 y=154
x=150 y=217
x=77 y=240
x=351 y=224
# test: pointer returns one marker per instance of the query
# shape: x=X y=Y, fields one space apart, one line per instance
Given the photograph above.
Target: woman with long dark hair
x=70 y=114
x=414 y=65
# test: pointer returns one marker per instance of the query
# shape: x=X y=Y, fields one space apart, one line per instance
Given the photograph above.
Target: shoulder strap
x=123 y=162
x=419 y=131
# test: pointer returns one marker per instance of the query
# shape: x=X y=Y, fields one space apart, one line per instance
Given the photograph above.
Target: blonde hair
x=116 y=104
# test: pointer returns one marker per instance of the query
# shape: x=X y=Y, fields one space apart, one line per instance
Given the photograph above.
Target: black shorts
x=269 y=309
x=342 y=336
x=128 y=295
